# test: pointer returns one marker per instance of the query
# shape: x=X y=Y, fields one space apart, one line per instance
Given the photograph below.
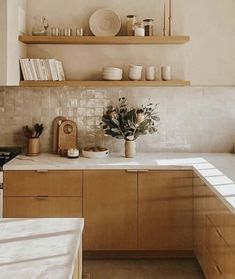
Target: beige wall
x=12 y=22
x=208 y=59
x=3 y=39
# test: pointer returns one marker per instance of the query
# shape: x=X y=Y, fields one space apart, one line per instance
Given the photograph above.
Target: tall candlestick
x=169 y=18
x=164 y=23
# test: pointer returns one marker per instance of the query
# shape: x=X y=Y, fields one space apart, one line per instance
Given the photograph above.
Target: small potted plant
x=123 y=122
x=32 y=135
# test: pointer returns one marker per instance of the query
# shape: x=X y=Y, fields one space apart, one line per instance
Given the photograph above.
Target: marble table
x=41 y=248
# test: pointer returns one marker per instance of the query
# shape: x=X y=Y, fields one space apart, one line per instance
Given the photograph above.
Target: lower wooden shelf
x=103 y=83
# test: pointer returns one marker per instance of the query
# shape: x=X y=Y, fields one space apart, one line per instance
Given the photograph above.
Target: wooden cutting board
x=67 y=136
x=55 y=126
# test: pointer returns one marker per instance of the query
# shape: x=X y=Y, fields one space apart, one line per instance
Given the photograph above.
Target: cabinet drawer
x=39 y=183
x=220 y=251
x=33 y=207
x=210 y=268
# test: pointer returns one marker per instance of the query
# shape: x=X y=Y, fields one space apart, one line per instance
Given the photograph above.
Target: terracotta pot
x=33 y=147
x=130 y=149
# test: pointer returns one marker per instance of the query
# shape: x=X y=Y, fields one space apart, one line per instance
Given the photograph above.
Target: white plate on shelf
x=105 y=22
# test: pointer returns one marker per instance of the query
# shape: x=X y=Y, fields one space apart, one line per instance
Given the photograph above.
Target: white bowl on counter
x=95 y=154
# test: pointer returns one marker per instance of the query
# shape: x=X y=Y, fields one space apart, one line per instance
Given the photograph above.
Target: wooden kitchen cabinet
x=42 y=194
x=110 y=210
x=213 y=233
x=43 y=207
x=165 y=210
x=199 y=219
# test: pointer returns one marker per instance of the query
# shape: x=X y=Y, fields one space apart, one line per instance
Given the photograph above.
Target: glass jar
x=148 y=26
x=40 y=26
x=139 y=29
x=130 y=22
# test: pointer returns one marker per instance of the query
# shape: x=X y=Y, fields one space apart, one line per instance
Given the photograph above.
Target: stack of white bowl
x=112 y=73
x=135 y=72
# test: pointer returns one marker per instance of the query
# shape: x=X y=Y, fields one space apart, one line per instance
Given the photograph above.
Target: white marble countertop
x=216 y=169
x=39 y=248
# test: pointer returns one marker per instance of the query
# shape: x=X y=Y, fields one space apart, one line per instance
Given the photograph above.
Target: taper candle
x=169 y=17
x=164 y=23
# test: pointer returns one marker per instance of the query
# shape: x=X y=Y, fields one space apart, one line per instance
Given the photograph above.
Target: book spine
x=23 y=70
x=39 y=69
x=36 y=68
x=28 y=69
x=53 y=69
x=60 y=70
x=43 y=67
x=34 y=74
x=48 y=69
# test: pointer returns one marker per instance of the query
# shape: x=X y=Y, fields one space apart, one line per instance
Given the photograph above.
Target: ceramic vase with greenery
x=128 y=123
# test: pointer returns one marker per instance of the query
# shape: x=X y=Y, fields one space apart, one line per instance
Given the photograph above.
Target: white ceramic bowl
x=95 y=155
x=112 y=70
x=136 y=67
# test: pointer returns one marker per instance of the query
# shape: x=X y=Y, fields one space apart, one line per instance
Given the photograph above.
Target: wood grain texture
x=51 y=183
x=117 y=40
x=199 y=219
x=165 y=210
x=210 y=269
x=67 y=135
x=55 y=127
x=39 y=207
x=110 y=210
x=103 y=83
x=219 y=250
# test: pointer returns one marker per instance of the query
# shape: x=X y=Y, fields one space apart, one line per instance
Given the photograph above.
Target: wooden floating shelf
x=102 y=83
x=90 y=40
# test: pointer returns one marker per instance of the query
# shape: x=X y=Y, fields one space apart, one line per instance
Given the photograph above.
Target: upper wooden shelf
x=103 y=83
x=118 y=40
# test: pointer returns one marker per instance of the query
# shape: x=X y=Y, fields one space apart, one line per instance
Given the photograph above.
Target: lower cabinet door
x=110 y=210
x=165 y=210
x=34 y=207
x=211 y=270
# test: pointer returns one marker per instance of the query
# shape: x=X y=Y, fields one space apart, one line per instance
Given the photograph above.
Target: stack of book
x=41 y=69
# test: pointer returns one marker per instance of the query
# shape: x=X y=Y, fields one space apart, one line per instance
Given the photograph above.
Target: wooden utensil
x=55 y=126
x=67 y=136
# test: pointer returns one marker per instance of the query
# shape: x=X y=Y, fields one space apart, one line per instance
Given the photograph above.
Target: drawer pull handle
x=41 y=171
x=41 y=197
x=218 y=233
x=137 y=171
x=218 y=270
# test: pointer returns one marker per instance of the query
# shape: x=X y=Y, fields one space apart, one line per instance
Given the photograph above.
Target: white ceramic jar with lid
x=139 y=29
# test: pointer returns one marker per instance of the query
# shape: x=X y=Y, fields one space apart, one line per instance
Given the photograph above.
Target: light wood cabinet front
x=199 y=219
x=35 y=207
x=29 y=194
x=110 y=210
x=43 y=183
x=165 y=210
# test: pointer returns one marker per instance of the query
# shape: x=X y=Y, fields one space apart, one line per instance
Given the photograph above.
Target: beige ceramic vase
x=33 y=147
x=130 y=149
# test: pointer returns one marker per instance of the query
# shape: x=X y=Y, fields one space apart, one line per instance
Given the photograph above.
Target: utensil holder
x=33 y=147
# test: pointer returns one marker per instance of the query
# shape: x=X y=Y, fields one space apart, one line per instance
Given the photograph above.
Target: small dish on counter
x=95 y=152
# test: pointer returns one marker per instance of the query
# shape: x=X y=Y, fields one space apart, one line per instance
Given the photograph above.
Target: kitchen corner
x=117 y=139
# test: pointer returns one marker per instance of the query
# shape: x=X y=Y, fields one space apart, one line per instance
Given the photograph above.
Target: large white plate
x=104 y=22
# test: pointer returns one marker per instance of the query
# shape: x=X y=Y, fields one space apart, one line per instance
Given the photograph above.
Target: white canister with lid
x=139 y=29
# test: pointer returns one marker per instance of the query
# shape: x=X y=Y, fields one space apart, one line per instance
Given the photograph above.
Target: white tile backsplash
x=193 y=119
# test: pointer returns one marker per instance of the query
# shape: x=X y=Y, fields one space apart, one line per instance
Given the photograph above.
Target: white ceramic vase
x=130 y=150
